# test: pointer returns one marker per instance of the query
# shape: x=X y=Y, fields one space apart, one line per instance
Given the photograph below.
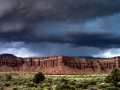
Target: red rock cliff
x=58 y=64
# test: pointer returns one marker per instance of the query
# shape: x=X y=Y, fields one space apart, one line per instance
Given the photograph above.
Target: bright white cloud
x=20 y=52
x=18 y=49
x=109 y=53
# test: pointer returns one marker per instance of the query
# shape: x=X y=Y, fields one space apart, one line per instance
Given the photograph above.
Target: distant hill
x=6 y=54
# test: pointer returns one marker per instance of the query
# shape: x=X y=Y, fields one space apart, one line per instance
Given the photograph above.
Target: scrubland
x=24 y=81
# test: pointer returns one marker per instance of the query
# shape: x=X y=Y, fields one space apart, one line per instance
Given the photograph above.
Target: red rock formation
x=58 y=64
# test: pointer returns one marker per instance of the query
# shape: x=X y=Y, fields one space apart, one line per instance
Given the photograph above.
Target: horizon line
x=87 y=57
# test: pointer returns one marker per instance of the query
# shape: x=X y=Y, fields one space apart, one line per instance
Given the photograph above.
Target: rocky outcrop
x=58 y=64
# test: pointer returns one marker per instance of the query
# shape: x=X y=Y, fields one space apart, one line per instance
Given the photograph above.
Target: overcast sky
x=50 y=27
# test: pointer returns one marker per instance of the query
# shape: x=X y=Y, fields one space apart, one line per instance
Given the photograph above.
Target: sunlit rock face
x=58 y=64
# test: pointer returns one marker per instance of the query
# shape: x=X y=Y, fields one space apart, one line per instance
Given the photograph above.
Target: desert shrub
x=53 y=86
x=72 y=87
x=78 y=89
x=71 y=83
x=30 y=88
x=62 y=86
x=64 y=80
x=36 y=89
x=39 y=85
x=112 y=88
x=101 y=86
x=38 y=77
x=15 y=88
x=78 y=85
x=48 y=81
x=92 y=88
x=118 y=84
x=17 y=82
x=1 y=84
x=8 y=77
x=92 y=82
x=14 y=83
x=31 y=85
x=46 y=85
x=1 y=88
x=81 y=85
x=6 y=84
x=46 y=88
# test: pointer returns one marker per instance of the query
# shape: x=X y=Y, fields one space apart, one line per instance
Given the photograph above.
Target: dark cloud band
x=103 y=40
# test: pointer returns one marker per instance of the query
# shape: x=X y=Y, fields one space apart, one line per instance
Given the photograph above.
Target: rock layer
x=58 y=64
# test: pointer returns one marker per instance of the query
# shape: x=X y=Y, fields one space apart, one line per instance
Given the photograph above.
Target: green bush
x=38 y=77
x=114 y=77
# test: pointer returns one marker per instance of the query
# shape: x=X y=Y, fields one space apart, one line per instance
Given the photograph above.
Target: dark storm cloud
x=50 y=10
x=20 y=21
x=101 y=40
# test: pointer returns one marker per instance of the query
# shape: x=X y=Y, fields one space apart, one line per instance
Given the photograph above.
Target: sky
x=38 y=28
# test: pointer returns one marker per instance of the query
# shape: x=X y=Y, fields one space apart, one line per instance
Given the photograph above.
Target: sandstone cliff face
x=58 y=65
